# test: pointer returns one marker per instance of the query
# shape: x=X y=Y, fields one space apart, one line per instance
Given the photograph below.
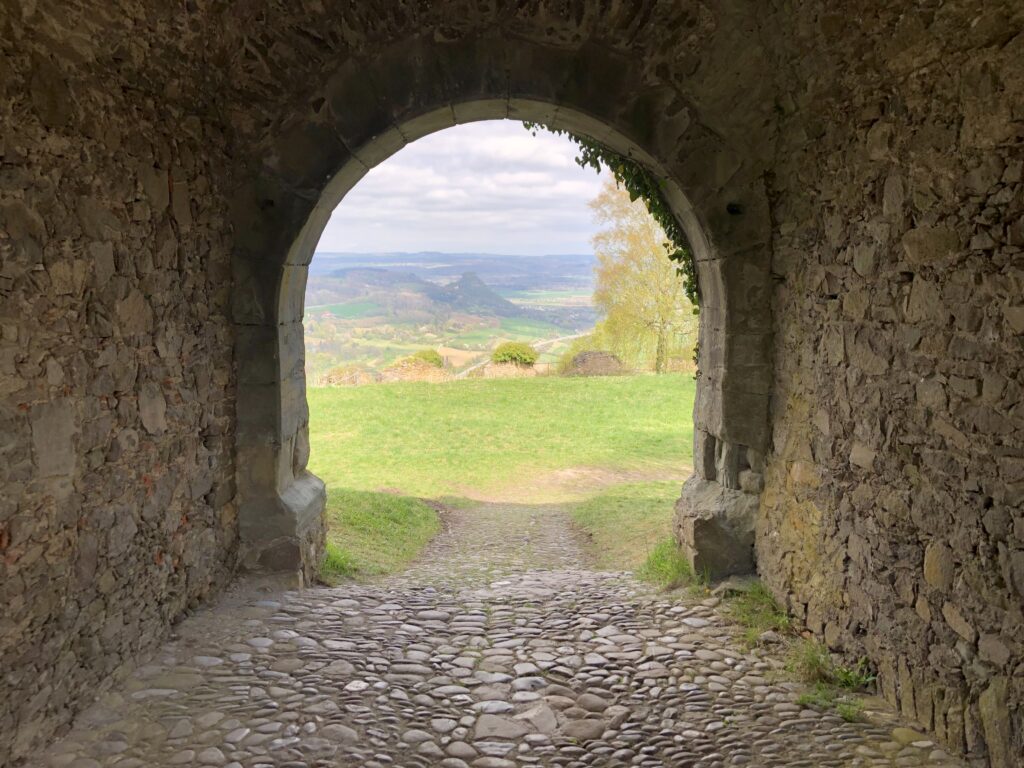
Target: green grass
x=349 y=310
x=810 y=661
x=538 y=295
x=429 y=440
x=756 y=611
x=374 y=533
x=508 y=329
x=824 y=696
x=666 y=566
x=624 y=522
x=833 y=685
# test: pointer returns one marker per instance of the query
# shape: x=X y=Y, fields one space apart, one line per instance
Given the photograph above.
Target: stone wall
x=893 y=518
x=116 y=383
x=163 y=170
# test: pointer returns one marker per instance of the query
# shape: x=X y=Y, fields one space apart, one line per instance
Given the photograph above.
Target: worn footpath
x=499 y=649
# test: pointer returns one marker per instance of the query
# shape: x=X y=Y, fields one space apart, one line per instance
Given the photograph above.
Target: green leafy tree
x=640 y=184
x=647 y=315
x=515 y=352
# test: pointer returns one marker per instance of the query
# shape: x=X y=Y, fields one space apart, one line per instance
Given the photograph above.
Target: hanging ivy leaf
x=640 y=184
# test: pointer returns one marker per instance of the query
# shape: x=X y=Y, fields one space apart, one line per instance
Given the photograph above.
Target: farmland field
x=349 y=309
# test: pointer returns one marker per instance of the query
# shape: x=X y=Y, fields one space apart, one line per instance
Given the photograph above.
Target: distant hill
x=468 y=294
x=368 y=310
x=499 y=271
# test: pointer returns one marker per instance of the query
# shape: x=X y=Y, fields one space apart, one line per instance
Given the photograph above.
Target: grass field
x=349 y=310
x=626 y=522
x=383 y=448
x=481 y=435
x=509 y=329
x=374 y=533
x=552 y=298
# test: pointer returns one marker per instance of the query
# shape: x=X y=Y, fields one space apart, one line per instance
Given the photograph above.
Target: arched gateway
x=369 y=110
x=850 y=178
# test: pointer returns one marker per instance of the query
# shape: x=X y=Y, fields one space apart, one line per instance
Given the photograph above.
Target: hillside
x=397 y=289
x=366 y=310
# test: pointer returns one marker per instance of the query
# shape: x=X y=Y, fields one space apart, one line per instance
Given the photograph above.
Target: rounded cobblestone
x=499 y=649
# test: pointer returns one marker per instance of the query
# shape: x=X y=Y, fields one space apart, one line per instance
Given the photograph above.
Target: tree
x=515 y=352
x=638 y=289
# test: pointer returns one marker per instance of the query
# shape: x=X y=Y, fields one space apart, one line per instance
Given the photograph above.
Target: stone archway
x=367 y=110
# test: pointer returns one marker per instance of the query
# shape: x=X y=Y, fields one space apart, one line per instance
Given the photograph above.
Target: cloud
x=481 y=187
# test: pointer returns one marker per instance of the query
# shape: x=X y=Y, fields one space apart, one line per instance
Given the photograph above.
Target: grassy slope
x=509 y=329
x=625 y=522
x=373 y=533
x=435 y=439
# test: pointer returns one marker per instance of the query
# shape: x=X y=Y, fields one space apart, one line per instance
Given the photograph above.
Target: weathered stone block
x=938 y=565
x=714 y=526
x=53 y=433
x=995 y=720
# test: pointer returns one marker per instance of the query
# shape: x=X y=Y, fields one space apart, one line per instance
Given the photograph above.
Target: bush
x=515 y=352
x=431 y=356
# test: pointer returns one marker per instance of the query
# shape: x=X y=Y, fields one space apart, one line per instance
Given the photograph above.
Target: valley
x=366 y=311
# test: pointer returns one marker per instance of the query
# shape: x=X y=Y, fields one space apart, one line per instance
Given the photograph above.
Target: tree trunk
x=660 y=352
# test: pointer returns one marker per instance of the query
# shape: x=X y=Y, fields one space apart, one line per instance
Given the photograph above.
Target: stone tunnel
x=851 y=180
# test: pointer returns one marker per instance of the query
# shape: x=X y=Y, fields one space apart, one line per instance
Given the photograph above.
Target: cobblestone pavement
x=500 y=649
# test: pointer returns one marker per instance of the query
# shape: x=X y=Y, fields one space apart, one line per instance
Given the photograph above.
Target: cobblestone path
x=500 y=649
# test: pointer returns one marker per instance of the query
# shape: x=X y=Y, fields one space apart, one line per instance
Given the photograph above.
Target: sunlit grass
x=476 y=435
x=374 y=533
x=624 y=522
x=667 y=567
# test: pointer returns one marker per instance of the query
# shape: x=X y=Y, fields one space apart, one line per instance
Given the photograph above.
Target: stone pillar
x=716 y=513
x=281 y=504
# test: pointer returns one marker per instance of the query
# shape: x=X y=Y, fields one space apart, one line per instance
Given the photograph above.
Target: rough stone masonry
x=850 y=178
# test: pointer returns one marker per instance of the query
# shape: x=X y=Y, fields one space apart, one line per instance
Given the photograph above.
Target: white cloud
x=482 y=187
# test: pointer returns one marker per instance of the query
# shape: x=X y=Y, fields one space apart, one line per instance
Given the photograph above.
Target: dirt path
x=498 y=649
x=560 y=486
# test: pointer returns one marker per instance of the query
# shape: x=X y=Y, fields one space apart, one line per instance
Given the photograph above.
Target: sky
x=488 y=187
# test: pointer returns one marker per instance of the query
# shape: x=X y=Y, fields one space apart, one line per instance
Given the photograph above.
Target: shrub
x=515 y=352
x=431 y=356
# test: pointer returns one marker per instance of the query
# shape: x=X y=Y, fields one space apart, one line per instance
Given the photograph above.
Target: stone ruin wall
x=893 y=517
x=116 y=383
x=891 y=521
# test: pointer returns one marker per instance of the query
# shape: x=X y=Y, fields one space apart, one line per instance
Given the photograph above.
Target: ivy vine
x=640 y=183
